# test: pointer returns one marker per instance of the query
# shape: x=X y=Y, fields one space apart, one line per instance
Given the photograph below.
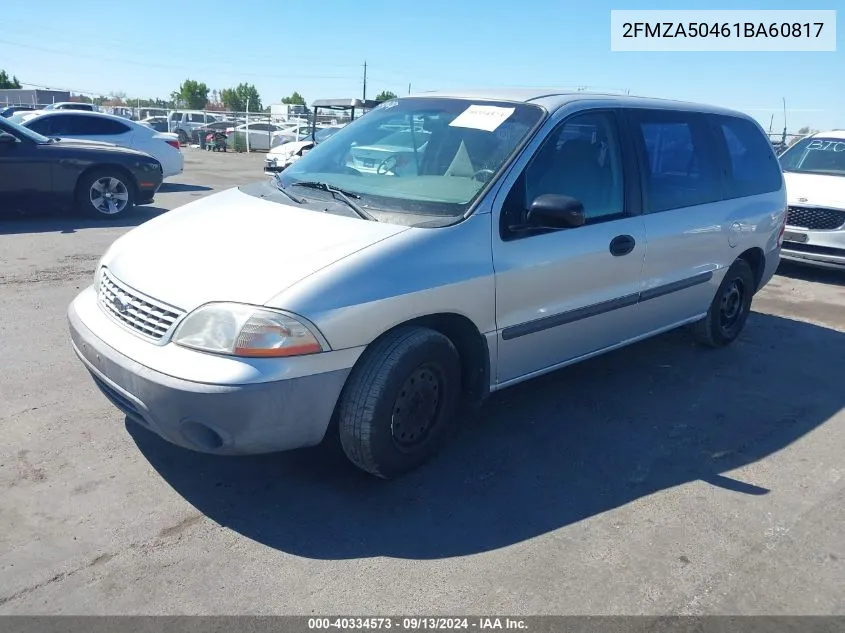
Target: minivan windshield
x=418 y=155
x=816 y=156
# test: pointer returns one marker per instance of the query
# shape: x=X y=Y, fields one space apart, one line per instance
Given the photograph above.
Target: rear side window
x=86 y=126
x=42 y=126
x=753 y=168
x=680 y=166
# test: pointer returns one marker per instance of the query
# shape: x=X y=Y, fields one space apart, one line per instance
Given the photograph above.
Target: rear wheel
x=730 y=308
x=105 y=193
x=183 y=137
x=400 y=401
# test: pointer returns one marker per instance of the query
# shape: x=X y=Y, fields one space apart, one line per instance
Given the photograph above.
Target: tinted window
x=582 y=159
x=42 y=126
x=753 y=167
x=680 y=168
x=86 y=126
x=259 y=127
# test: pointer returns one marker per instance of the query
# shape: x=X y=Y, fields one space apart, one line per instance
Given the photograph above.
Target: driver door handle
x=622 y=245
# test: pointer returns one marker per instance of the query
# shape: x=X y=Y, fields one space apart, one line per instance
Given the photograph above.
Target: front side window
x=426 y=156
x=816 y=155
x=581 y=159
x=680 y=164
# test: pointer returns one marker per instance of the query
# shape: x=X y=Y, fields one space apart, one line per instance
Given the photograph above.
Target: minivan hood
x=816 y=189
x=232 y=246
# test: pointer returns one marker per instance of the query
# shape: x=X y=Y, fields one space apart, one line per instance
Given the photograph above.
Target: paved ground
x=661 y=478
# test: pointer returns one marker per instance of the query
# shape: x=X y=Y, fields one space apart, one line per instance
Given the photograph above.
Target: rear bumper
x=221 y=419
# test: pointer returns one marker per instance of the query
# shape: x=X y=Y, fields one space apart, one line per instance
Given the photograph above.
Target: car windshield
x=816 y=156
x=13 y=127
x=417 y=155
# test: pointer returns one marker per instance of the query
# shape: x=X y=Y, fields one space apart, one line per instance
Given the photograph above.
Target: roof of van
x=552 y=98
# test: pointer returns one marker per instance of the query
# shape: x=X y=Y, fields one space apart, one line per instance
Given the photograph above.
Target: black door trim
x=675 y=286
x=570 y=316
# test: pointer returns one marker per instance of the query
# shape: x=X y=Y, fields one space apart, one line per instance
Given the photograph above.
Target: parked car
x=158 y=123
x=8 y=111
x=539 y=229
x=284 y=155
x=262 y=135
x=109 y=128
x=71 y=105
x=814 y=169
x=100 y=179
x=183 y=122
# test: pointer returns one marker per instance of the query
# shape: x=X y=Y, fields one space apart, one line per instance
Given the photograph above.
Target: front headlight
x=244 y=330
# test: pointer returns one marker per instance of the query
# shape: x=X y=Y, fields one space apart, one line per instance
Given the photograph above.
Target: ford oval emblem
x=119 y=305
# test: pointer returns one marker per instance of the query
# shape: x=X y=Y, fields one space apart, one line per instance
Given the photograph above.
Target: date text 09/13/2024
x=416 y=623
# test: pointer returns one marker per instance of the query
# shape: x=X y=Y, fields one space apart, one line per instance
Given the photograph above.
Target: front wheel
x=730 y=308
x=105 y=194
x=400 y=401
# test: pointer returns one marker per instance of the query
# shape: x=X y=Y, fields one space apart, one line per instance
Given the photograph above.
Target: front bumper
x=223 y=419
x=825 y=249
x=273 y=164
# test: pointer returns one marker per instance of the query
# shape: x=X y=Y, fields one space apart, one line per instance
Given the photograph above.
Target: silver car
x=537 y=229
x=814 y=169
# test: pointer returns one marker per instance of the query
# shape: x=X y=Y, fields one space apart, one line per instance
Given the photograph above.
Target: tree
x=236 y=99
x=5 y=82
x=385 y=95
x=193 y=94
x=294 y=99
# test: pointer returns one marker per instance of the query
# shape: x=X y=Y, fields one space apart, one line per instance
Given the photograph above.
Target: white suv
x=183 y=122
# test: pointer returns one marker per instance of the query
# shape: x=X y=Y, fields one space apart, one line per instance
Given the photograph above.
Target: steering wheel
x=387 y=165
x=489 y=172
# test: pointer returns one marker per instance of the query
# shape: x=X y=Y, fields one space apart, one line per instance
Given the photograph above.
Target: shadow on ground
x=67 y=222
x=541 y=455
x=811 y=273
x=175 y=187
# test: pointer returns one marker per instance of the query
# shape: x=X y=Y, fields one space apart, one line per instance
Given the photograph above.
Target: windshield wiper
x=338 y=193
x=278 y=178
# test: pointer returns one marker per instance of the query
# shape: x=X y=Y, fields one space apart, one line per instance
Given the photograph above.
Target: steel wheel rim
x=108 y=195
x=416 y=408
x=732 y=305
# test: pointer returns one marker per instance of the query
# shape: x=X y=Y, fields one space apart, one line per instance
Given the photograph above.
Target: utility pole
x=365 y=80
x=784 y=122
x=409 y=88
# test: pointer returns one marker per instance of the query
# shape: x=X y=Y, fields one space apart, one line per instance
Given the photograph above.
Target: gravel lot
x=662 y=478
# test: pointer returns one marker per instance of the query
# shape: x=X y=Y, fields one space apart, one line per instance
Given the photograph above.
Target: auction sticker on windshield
x=482 y=117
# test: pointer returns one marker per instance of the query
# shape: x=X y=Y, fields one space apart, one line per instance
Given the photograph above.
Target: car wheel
x=183 y=137
x=105 y=193
x=730 y=308
x=400 y=401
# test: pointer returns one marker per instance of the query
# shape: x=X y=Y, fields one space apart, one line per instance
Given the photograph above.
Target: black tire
x=183 y=137
x=730 y=308
x=123 y=193
x=410 y=367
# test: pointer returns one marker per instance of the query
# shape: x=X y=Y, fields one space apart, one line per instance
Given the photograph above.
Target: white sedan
x=263 y=135
x=96 y=126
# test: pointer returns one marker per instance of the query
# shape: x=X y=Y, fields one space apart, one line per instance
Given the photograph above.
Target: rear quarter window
x=752 y=167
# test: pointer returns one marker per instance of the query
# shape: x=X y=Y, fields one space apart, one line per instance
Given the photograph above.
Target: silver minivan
x=517 y=233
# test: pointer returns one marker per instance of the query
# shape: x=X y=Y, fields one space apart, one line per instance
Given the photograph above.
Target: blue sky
x=148 y=48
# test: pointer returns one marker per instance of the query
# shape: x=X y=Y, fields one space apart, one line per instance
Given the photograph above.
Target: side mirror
x=7 y=139
x=556 y=211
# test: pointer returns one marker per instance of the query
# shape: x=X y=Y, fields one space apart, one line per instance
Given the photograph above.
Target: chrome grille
x=141 y=314
x=814 y=218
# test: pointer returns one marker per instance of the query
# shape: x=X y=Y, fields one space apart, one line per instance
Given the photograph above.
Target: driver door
x=564 y=294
